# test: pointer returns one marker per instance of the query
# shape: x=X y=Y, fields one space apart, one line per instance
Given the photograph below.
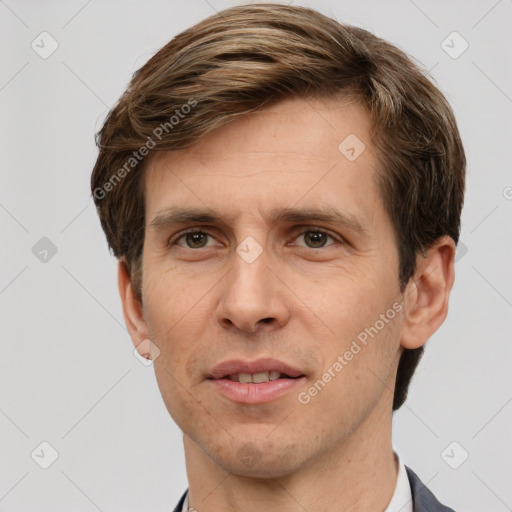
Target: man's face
x=287 y=294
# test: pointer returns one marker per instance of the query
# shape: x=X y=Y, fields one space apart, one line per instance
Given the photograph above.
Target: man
x=283 y=194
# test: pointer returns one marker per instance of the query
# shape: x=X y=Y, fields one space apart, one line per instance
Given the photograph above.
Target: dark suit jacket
x=423 y=499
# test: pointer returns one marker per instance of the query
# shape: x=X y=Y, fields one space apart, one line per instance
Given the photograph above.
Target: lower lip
x=243 y=393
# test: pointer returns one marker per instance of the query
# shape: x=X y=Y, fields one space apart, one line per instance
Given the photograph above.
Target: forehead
x=296 y=152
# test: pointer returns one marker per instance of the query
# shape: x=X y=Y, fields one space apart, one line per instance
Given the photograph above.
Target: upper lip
x=255 y=366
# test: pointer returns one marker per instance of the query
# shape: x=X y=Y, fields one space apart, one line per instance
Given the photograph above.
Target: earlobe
x=132 y=307
x=428 y=292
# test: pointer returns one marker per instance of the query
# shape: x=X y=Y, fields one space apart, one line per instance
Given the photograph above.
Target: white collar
x=401 y=500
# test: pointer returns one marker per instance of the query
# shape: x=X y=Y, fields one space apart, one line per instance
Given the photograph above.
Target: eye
x=198 y=239
x=316 y=238
x=194 y=239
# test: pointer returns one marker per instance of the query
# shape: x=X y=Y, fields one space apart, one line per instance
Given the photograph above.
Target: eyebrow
x=183 y=215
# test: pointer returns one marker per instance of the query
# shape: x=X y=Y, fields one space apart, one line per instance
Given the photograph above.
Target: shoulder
x=423 y=499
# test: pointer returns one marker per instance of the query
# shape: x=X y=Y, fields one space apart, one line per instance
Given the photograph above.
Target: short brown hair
x=248 y=57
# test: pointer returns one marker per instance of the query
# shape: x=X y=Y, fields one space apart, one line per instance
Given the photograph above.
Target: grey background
x=68 y=374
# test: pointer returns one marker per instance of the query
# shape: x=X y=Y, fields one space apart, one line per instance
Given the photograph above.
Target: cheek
x=350 y=305
x=188 y=409
x=171 y=300
x=365 y=321
x=363 y=375
x=175 y=315
x=175 y=319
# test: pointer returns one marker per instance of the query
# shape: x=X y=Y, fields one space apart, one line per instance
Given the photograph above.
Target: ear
x=427 y=293
x=132 y=307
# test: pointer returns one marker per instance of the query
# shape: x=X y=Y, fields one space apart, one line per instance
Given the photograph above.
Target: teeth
x=258 y=378
x=255 y=378
x=245 y=377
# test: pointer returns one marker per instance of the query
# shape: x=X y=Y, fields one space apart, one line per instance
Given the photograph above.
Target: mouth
x=254 y=382
x=260 y=377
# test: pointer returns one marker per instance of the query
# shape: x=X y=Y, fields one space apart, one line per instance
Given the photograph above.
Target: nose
x=253 y=298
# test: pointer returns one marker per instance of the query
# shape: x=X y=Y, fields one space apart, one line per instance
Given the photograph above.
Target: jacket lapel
x=179 y=506
x=423 y=499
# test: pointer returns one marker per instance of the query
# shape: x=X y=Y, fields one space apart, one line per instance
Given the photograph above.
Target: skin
x=203 y=304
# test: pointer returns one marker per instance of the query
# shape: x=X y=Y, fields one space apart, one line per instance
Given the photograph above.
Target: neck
x=358 y=474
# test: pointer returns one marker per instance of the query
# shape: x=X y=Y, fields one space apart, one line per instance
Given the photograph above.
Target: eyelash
x=176 y=239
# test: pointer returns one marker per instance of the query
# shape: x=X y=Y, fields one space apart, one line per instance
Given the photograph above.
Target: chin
x=260 y=458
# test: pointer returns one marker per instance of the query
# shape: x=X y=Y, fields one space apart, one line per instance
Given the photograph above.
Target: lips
x=260 y=370
x=255 y=382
